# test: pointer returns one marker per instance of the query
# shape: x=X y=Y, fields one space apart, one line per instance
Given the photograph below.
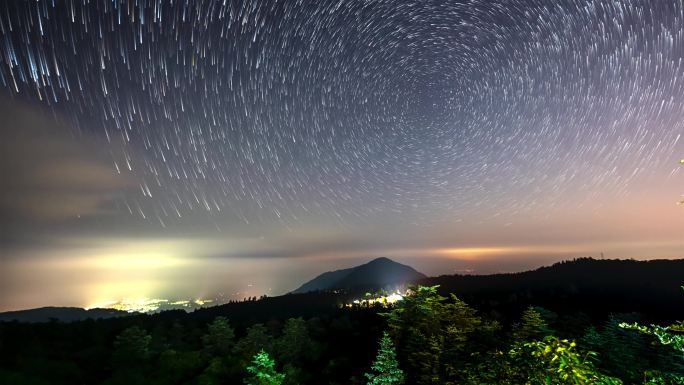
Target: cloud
x=48 y=174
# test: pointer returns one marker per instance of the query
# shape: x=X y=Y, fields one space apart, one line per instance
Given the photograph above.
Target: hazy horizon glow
x=202 y=149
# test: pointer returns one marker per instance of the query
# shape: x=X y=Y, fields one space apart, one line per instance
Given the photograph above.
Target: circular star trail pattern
x=276 y=111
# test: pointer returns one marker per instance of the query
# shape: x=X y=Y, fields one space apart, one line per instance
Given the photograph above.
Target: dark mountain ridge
x=593 y=286
x=64 y=314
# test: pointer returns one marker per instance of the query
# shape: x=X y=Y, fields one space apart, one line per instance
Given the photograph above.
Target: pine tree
x=623 y=352
x=294 y=349
x=295 y=344
x=262 y=371
x=532 y=326
x=257 y=339
x=132 y=346
x=386 y=365
x=220 y=337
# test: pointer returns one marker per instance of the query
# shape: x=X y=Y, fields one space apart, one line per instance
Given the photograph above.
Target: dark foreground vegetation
x=542 y=332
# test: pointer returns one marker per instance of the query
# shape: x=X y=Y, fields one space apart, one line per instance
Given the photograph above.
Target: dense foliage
x=425 y=339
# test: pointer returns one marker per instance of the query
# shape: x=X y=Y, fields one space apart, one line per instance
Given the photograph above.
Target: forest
x=432 y=336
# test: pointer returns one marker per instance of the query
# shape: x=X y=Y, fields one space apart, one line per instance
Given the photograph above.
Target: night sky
x=191 y=148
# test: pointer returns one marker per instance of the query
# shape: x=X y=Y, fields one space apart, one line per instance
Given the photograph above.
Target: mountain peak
x=377 y=273
x=382 y=260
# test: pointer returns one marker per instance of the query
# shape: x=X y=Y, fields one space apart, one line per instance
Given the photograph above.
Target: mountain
x=592 y=286
x=377 y=273
x=63 y=314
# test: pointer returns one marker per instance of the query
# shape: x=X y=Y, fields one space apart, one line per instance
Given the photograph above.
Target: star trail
x=295 y=129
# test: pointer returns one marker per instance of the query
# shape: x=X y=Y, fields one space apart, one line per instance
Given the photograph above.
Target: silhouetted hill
x=64 y=314
x=584 y=284
x=375 y=274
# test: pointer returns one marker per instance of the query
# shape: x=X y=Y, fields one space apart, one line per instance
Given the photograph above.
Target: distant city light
x=387 y=300
x=150 y=305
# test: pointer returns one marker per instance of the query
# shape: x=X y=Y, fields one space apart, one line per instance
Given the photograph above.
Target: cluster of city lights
x=151 y=305
x=384 y=300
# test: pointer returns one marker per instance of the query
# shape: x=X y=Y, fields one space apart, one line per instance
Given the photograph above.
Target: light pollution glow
x=139 y=272
x=149 y=305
